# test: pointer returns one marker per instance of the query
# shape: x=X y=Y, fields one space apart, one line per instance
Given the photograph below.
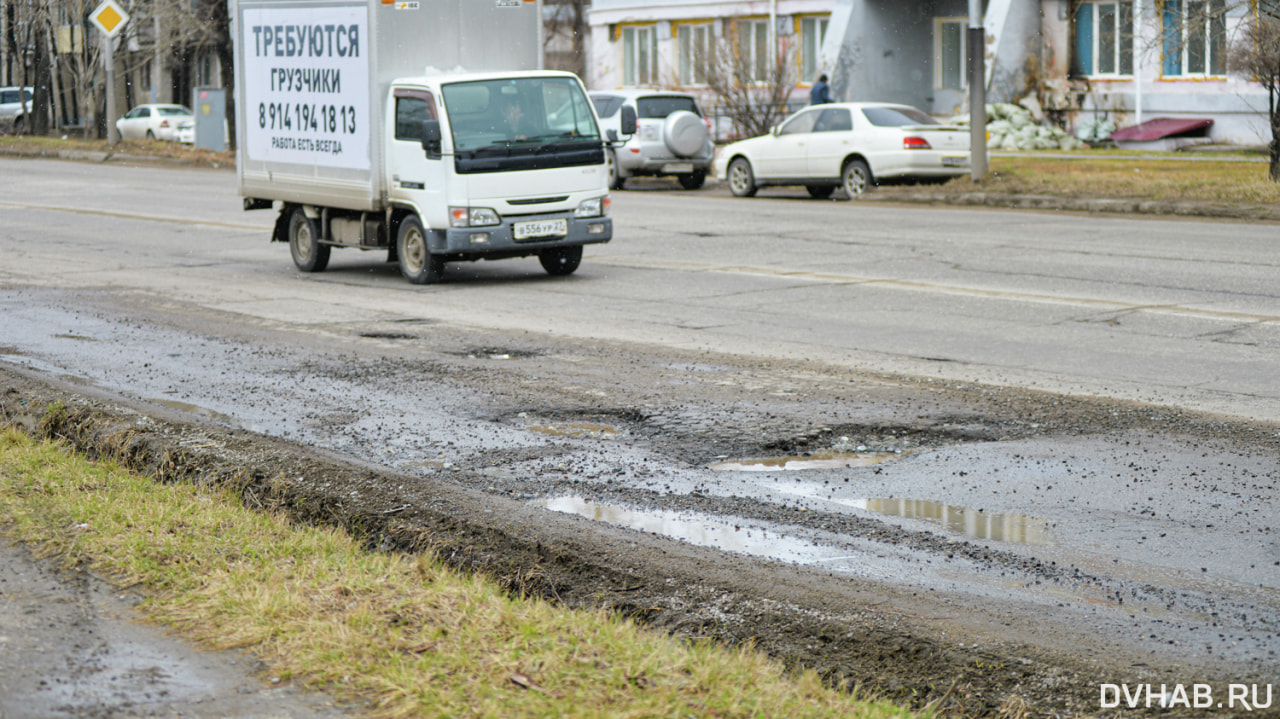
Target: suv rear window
x=606 y=105
x=660 y=107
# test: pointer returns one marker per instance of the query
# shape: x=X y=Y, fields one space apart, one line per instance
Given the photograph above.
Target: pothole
x=82 y=338
x=810 y=460
x=575 y=430
x=388 y=335
x=972 y=523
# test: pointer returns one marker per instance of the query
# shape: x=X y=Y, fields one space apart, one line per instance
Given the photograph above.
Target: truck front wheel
x=561 y=260
x=304 y=243
x=417 y=264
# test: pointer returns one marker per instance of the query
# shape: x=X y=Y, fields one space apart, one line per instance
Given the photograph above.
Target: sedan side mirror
x=628 y=120
x=431 y=139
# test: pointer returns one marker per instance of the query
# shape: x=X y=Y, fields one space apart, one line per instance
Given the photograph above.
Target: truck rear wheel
x=561 y=260
x=417 y=264
x=304 y=243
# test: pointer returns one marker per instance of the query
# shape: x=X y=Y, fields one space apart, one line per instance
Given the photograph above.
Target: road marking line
x=132 y=216
x=920 y=286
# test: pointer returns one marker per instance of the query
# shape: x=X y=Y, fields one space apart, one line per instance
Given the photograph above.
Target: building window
x=950 y=53
x=695 y=52
x=1195 y=38
x=813 y=30
x=1104 y=39
x=753 y=48
x=639 y=56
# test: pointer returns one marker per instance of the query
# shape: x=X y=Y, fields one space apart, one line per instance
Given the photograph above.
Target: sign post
x=110 y=19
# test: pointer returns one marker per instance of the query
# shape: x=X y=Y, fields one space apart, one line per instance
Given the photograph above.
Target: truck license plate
x=955 y=161
x=540 y=228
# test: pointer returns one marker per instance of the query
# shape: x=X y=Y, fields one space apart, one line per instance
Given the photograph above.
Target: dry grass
x=1166 y=177
x=404 y=634
x=28 y=144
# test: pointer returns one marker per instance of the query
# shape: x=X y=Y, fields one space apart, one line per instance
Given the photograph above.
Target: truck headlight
x=595 y=207
x=473 y=217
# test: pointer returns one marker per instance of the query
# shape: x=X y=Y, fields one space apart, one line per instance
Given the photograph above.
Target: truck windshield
x=518 y=112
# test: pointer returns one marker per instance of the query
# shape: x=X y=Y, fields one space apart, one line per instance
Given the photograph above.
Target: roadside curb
x=1070 y=204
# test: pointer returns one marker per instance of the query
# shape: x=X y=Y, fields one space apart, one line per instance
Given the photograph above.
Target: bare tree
x=566 y=24
x=1256 y=52
x=752 y=90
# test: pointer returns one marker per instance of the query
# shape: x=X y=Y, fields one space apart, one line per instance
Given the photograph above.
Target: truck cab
x=494 y=165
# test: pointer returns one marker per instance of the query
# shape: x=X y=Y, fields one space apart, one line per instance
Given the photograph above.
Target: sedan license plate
x=678 y=167
x=540 y=228
x=955 y=161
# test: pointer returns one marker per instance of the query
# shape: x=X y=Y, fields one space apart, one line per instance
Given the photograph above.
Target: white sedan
x=850 y=145
x=155 y=122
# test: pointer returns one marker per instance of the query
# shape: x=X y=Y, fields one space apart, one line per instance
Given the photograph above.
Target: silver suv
x=12 y=114
x=672 y=136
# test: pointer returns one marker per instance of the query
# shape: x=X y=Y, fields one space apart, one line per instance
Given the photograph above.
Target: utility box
x=210 y=107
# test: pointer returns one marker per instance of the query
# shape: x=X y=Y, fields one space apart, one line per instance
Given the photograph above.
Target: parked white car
x=12 y=112
x=672 y=136
x=155 y=122
x=850 y=145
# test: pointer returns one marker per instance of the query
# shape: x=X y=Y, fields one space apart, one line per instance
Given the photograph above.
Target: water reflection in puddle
x=707 y=531
x=575 y=430
x=816 y=460
x=972 y=523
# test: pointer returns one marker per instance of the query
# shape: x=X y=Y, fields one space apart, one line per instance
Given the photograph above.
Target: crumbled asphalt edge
x=885 y=652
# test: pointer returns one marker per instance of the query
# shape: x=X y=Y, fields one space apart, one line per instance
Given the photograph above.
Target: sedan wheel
x=742 y=182
x=856 y=179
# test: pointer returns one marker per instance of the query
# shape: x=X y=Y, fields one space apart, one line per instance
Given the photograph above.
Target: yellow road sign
x=109 y=17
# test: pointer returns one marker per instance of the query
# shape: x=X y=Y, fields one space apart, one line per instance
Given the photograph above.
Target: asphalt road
x=712 y=325
x=1175 y=312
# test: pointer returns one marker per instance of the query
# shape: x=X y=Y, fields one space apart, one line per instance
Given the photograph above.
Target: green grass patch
x=403 y=633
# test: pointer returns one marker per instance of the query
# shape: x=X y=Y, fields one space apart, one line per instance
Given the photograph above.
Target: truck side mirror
x=611 y=135
x=628 y=120
x=431 y=139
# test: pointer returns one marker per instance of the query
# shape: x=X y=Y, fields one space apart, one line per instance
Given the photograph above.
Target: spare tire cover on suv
x=684 y=133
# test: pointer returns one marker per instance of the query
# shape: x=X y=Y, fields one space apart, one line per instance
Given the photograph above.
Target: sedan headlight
x=595 y=207
x=473 y=217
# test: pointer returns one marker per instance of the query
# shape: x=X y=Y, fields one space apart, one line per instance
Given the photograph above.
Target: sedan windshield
x=510 y=112
x=897 y=116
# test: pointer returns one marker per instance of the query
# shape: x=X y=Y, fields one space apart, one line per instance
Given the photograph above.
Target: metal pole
x=113 y=138
x=977 y=45
x=1137 y=61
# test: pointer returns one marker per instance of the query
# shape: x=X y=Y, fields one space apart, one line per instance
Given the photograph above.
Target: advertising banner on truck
x=306 y=92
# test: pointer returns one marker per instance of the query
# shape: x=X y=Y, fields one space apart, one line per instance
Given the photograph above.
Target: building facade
x=1122 y=60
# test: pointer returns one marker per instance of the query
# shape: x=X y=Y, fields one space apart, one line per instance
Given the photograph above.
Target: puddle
x=738 y=536
x=499 y=353
x=576 y=430
x=816 y=460
x=972 y=523
x=195 y=409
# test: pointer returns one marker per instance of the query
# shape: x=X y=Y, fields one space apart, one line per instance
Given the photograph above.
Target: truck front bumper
x=500 y=239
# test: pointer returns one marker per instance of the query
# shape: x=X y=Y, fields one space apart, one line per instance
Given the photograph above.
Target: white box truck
x=421 y=128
